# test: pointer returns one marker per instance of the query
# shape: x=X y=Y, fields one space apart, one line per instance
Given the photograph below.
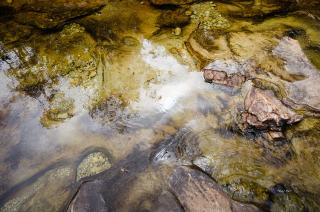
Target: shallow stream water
x=137 y=87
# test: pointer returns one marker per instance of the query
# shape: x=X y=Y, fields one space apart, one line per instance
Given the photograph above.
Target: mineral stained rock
x=220 y=77
x=265 y=112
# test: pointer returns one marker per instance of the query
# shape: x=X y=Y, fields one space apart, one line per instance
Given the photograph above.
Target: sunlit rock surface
x=262 y=110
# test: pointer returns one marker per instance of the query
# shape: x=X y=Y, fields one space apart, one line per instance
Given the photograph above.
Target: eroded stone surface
x=220 y=77
x=264 y=111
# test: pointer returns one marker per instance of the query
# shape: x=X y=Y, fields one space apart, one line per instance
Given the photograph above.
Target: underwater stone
x=60 y=108
x=197 y=192
x=53 y=185
x=252 y=8
x=93 y=164
x=175 y=18
x=171 y=2
x=49 y=14
x=177 y=31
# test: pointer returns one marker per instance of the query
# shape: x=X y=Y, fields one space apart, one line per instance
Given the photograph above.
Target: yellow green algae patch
x=92 y=164
x=54 y=55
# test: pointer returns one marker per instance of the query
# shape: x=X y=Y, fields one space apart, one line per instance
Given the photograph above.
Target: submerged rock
x=208 y=17
x=175 y=18
x=197 y=192
x=121 y=19
x=60 y=109
x=68 y=51
x=171 y=2
x=252 y=8
x=48 y=193
x=93 y=164
x=303 y=92
x=50 y=14
x=11 y=31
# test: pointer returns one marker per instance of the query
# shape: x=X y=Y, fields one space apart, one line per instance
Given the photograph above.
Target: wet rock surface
x=93 y=164
x=35 y=197
x=264 y=111
x=256 y=7
x=175 y=18
x=269 y=101
x=50 y=14
x=187 y=188
x=171 y=2
x=106 y=109
x=220 y=77
x=72 y=53
x=60 y=109
x=193 y=189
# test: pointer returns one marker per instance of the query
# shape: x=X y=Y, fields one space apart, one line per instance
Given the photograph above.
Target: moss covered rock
x=92 y=164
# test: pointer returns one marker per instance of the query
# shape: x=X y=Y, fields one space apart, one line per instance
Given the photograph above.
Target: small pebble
x=177 y=31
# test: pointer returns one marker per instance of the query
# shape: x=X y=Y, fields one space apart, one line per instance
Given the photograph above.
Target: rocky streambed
x=160 y=105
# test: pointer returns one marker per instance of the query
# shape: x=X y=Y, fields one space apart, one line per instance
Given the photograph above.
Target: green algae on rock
x=208 y=17
x=60 y=109
x=93 y=164
x=54 y=55
x=49 y=192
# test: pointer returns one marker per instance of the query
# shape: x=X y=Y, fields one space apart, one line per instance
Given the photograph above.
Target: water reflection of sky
x=174 y=80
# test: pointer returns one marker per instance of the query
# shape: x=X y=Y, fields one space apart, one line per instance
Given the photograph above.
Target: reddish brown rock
x=264 y=111
x=197 y=192
x=220 y=77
